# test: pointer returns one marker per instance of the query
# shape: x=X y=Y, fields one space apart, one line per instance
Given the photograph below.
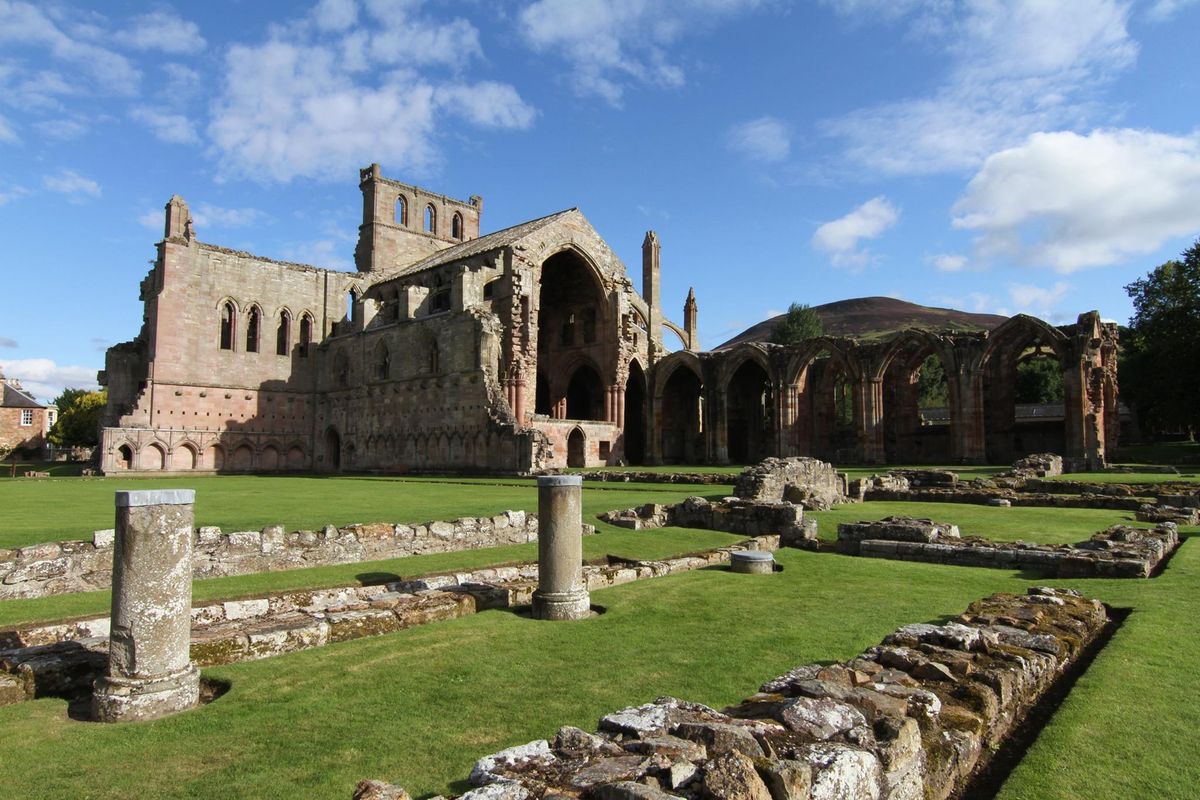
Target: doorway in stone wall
x=576 y=449
x=333 y=451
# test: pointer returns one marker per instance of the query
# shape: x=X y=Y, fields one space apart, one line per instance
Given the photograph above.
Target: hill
x=875 y=317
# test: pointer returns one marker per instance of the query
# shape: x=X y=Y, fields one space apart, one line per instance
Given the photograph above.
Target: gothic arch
x=663 y=370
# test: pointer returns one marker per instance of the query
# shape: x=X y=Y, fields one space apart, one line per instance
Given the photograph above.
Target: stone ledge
x=912 y=718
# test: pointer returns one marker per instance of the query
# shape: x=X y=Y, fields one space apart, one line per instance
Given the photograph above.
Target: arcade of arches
x=848 y=401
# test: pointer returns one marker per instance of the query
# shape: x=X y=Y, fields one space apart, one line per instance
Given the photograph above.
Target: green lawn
x=419 y=706
x=1186 y=475
x=33 y=511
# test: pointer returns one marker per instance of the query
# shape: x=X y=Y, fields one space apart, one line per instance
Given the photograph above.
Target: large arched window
x=430 y=219
x=383 y=362
x=228 y=318
x=253 y=324
x=456 y=223
x=306 y=324
x=283 y=334
x=401 y=210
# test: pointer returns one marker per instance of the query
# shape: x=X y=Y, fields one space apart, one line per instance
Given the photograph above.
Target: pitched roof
x=17 y=398
x=473 y=247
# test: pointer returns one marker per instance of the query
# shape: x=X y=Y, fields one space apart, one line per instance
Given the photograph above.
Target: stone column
x=560 y=593
x=149 y=672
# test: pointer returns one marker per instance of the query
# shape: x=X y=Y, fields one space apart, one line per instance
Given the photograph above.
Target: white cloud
x=45 y=379
x=8 y=193
x=1038 y=301
x=612 y=43
x=163 y=31
x=1015 y=68
x=206 y=214
x=308 y=103
x=28 y=26
x=1071 y=201
x=62 y=129
x=154 y=220
x=840 y=238
x=335 y=15
x=762 y=139
x=948 y=262
x=173 y=128
x=1163 y=10
x=321 y=253
x=182 y=84
x=7 y=134
x=71 y=183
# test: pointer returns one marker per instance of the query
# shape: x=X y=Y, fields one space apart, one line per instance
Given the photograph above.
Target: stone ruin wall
x=731 y=515
x=1119 y=552
x=62 y=659
x=913 y=718
x=78 y=566
x=809 y=482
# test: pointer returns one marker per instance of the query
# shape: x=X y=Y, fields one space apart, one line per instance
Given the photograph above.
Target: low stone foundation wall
x=624 y=476
x=731 y=515
x=910 y=719
x=982 y=496
x=1119 y=552
x=78 y=566
x=62 y=659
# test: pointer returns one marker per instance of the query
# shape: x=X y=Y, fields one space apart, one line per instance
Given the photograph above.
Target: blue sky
x=1034 y=155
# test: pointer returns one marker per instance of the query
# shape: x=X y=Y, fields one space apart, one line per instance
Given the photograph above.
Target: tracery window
x=283 y=334
x=253 y=323
x=227 y=325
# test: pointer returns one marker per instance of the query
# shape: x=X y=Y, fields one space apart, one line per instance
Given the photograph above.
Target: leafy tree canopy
x=1160 y=360
x=932 y=390
x=1039 y=380
x=800 y=323
x=79 y=415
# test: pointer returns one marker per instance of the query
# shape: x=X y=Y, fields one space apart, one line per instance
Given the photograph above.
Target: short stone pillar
x=561 y=593
x=149 y=671
x=752 y=562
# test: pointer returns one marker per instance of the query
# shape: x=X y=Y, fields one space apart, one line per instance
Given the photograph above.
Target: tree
x=932 y=389
x=1039 y=380
x=79 y=414
x=799 y=323
x=1160 y=359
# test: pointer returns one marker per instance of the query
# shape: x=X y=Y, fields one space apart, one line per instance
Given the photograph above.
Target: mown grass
x=33 y=511
x=419 y=706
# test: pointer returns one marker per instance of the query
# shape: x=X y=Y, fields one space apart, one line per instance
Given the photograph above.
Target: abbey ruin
x=531 y=348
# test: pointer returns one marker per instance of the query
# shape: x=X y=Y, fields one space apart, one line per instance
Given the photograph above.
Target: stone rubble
x=1119 y=552
x=808 y=482
x=912 y=718
x=62 y=659
x=77 y=566
x=731 y=514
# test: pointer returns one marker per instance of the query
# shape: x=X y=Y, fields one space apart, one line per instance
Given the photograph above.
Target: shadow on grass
x=376 y=578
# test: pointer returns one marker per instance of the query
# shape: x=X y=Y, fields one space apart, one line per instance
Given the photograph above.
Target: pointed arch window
x=430 y=219
x=401 y=210
x=433 y=358
x=253 y=324
x=228 y=318
x=283 y=334
x=383 y=362
x=456 y=226
x=305 y=335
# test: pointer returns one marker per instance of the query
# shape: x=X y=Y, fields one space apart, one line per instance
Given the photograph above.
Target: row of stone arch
x=485 y=449
x=157 y=456
x=844 y=400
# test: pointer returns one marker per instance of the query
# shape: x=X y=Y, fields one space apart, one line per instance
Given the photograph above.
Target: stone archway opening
x=573 y=326
x=916 y=409
x=333 y=451
x=1024 y=400
x=635 y=415
x=585 y=394
x=749 y=413
x=576 y=449
x=125 y=457
x=682 y=426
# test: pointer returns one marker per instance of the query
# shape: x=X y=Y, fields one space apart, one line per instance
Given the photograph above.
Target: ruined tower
x=651 y=292
x=689 y=320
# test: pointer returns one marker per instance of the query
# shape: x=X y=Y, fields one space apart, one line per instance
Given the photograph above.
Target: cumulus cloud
x=1036 y=300
x=1163 y=10
x=1071 y=201
x=25 y=25
x=63 y=129
x=610 y=45
x=318 y=99
x=45 y=379
x=206 y=214
x=162 y=31
x=71 y=183
x=7 y=134
x=7 y=342
x=762 y=139
x=1016 y=68
x=840 y=238
x=173 y=128
x=335 y=15
x=948 y=262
